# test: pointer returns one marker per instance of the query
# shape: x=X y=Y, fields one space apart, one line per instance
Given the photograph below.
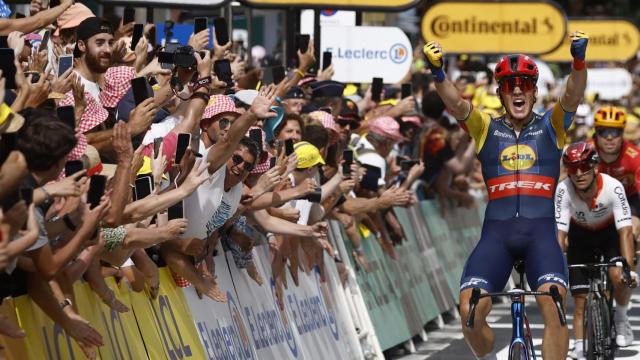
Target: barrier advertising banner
x=609 y=40
x=363 y=52
x=495 y=27
x=388 y=5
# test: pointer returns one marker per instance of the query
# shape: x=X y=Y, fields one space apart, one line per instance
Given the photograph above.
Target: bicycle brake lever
x=557 y=299
x=473 y=301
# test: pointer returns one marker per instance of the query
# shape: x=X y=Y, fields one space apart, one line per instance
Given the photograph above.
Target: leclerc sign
x=495 y=27
x=363 y=52
x=609 y=40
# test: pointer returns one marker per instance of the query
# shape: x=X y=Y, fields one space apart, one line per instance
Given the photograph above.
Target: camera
x=182 y=57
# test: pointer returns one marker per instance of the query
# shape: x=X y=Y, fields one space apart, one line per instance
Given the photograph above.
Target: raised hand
x=579 y=41
x=142 y=116
x=200 y=40
x=64 y=83
x=122 y=142
x=434 y=54
x=268 y=180
x=197 y=176
x=261 y=106
x=203 y=63
x=307 y=59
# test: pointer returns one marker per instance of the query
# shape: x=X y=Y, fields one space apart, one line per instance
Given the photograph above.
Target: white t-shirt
x=209 y=207
x=90 y=87
x=608 y=206
x=367 y=154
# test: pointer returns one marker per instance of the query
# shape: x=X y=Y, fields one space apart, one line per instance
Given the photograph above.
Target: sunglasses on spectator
x=584 y=168
x=507 y=85
x=224 y=123
x=237 y=160
x=605 y=133
x=348 y=123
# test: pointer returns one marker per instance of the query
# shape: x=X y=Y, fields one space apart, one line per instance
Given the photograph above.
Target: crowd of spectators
x=95 y=180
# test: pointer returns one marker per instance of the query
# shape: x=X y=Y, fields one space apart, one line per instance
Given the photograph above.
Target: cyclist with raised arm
x=520 y=155
x=594 y=219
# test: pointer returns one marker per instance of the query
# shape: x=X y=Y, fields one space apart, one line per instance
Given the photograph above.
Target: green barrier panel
x=381 y=296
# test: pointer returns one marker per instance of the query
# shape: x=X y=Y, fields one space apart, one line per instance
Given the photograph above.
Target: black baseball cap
x=92 y=26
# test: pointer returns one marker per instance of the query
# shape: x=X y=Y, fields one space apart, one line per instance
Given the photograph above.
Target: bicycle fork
x=519 y=322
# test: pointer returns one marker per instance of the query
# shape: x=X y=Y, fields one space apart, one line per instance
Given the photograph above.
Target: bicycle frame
x=518 y=322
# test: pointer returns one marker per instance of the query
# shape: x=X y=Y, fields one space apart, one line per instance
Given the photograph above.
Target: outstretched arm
x=577 y=81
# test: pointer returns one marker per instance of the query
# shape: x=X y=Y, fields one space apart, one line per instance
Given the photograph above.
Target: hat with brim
x=386 y=127
x=246 y=96
x=72 y=17
x=308 y=155
x=12 y=123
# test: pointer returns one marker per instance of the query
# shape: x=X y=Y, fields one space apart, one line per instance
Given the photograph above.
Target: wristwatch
x=66 y=302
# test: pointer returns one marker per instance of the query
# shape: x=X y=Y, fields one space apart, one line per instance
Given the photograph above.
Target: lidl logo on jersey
x=521 y=157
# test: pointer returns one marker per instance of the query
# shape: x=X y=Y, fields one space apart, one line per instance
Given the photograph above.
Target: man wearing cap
x=230 y=160
x=348 y=120
x=327 y=93
x=294 y=100
x=32 y=23
x=94 y=43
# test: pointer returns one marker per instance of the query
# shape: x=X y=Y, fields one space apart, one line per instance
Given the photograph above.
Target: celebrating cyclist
x=520 y=155
x=594 y=220
x=618 y=158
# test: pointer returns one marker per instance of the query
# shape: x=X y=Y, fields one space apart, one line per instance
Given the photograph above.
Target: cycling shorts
x=504 y=241
x=586 y=246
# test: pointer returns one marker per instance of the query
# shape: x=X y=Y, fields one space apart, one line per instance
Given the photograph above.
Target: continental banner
x=495 y=27
x=609 y=40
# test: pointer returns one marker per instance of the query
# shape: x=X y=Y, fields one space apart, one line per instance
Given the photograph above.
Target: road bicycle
x=599 y=329
x=521 y=347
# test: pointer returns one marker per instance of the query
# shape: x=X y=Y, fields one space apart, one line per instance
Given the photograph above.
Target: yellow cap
x=308 y=155
x=392 y=102
x=349 y=90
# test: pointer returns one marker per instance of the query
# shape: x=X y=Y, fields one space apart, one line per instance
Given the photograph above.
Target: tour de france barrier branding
x=400 y=297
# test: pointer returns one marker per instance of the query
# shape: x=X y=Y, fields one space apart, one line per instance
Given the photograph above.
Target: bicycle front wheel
x=594 y=333
x=608 y=334
x=518 y=352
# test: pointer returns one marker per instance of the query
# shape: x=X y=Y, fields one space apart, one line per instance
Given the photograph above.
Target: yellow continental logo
x=609 y=40
x=517 y=157
x=495 y=27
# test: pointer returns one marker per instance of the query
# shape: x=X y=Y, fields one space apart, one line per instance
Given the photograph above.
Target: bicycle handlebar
x=553 y=292
x=622 y=263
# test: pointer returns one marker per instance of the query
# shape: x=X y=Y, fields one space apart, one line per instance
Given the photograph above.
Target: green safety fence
x=402 y=296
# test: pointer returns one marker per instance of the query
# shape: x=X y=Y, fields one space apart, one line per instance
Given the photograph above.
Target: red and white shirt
x=608 y=206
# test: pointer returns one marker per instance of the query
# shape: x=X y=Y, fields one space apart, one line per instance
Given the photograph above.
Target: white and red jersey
x=608 y=206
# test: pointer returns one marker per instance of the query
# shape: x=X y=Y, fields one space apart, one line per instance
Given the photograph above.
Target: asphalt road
x=447 y=343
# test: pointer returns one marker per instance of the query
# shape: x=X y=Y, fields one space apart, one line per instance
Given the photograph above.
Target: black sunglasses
x=348 y=123
x=237 y=160
x=606 y=132
x=224 y=123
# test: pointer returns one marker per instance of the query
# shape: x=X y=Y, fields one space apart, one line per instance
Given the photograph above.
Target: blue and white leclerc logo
x=398 y=53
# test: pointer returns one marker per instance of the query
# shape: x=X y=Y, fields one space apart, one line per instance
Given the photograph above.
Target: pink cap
x=327 y=121
x=219 y=104
x=117 y=81
x=387 y=127
x=73 y=16
x=33 y=37
x=414 y=119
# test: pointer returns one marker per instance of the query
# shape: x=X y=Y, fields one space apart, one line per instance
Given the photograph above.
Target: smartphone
x=200 y=24
x=326 y=59
x=406 y=165
x=44 y=44
x=222 y=69
x=54 y=3
x=138 y=29
x=176 y=211
x=370 y=179
x=184 y=139
x=288 y=147
x=96 y=190
x=65 y=62
x=72 y=167
x=129 y=15
x=256 y=136
x=406 y=90
x=144 y=187
x=222 y=31
x=376 y=89
x=153 y=37
x=272 y=162
x=315 y=196
x=67 y=115
x=26 y=194
x=278 y=74
x=347 y=157
x=156 y=146
x=302 y=42
x=8 y=67
x=7 y=145
x=140 y=88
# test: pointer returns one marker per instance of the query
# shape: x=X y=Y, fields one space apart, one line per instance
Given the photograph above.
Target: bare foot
x=8 y=328
x=80 y=329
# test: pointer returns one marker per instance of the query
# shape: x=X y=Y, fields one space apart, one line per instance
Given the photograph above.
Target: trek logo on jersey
x=521 y=184
x=521 y=157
